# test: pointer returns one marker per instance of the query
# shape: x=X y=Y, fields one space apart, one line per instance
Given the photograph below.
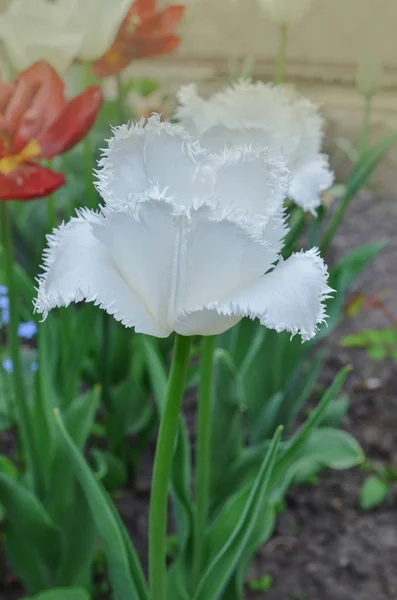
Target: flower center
x=9 y=161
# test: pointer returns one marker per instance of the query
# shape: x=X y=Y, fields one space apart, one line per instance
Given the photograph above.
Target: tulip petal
x=289 y=298
x=37 y=101
x=81 y=264
x=153 y=157
x=264 y=116
x=73 y=123
x=29 y=181
x=252 y=180
x=309 y=180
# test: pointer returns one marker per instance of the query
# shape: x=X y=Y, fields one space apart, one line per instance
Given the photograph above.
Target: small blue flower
x=3 y=290
x=4 y=302
x=34 y=366
x=5 y=316
x=7 y=365
x=27 y=330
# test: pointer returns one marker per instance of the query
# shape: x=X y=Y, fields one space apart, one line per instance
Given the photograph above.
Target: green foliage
x=379 y=343
x=263 y=584
x=373 y=492
x=375 y=489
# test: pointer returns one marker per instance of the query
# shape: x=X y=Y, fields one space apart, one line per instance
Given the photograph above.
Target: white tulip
x=185 y=242
x=286 y=12
x=59 y=31
x=264 y=116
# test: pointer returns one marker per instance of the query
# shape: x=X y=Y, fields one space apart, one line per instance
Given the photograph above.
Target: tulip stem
x=366 y=126
x=22 y=408
x=163 y=466
x=203 y=450
x=121 y=99
x=282 y=54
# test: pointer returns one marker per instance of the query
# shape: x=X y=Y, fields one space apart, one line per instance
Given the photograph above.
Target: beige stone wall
x=327 y=43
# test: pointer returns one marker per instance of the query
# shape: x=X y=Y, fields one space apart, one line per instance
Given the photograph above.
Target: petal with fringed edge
x=254 y=181
x=29 y=181
x=309 y=180
x=289 y=298
x=156 y=158
x=81 y=264
x=151 y=263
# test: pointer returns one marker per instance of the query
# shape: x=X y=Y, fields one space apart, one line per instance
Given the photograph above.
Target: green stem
x=366 y=126
x=335 y=222
x=203 y=452
x=282 y=54
x=162 y=468
x=121 y=99
x=22 y=408
x=52 y=212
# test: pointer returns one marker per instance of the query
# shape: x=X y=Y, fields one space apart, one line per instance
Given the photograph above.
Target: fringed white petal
x=286 y=12
x=309 y=180
x=266 y=117
x=81 y=263
x=154 y=158
x=289 y=298
x=251 y=180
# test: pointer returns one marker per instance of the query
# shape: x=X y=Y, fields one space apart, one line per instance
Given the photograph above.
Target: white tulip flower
x=187 y=241
x=264 y=116
x=286 y=12
x=59 y=31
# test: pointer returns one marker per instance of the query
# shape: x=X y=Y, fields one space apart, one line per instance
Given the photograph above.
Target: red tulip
x=145 y=32
x=36 y=122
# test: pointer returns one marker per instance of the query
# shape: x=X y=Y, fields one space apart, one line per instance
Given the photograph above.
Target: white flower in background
x=59 y=31
x=174 y=247
x=369 y=75
x=286 y=12
x=264 y=116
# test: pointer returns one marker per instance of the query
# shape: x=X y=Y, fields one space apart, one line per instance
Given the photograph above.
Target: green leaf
x=29 y=517
x=335 y=412
x=327 y=447
x=109 y=468
x=224 y=559
x=79 y=539
x=227 y=436
x=367 y=164
x=284 y=469
x=79 y=417
x=62 y=594
x=359 y=176
x=373 y=492
x=354 y=340
x=377 y=352
x=124 y=569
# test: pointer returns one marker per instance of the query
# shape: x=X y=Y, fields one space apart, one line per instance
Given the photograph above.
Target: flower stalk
x=163 y=466
x=203 y=454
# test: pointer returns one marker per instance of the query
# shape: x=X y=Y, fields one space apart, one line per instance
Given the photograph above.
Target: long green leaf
x=357 y=178
x=30 y=518
x=62 y=594
x=127 y=582
x=221 y=567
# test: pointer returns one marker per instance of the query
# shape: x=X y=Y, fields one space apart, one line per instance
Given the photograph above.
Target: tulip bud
x=369 y=76
x=286 y=12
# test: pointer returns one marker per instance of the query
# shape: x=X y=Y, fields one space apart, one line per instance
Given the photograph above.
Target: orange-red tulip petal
x=145 y=32
x=29 y=181
x=36 y=122
x=73 y=123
